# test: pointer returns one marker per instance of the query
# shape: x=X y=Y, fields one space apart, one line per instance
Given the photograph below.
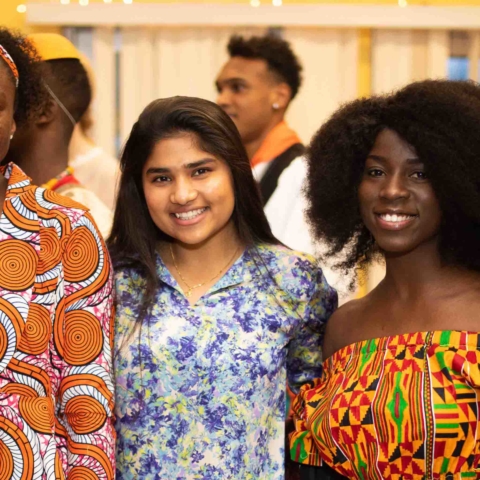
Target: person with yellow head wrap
x=41 y=147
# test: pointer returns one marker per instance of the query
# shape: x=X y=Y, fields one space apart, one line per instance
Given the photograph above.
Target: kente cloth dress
x=56 y=317
x=403 y=407
x=201 y=389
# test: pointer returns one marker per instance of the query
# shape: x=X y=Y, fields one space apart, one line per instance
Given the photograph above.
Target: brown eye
x=420 y=175
x=374 y=172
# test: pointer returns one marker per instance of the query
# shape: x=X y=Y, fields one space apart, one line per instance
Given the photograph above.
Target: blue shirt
x=201 y=389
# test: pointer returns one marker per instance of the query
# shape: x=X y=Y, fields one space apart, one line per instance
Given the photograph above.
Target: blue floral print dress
x=201 y=389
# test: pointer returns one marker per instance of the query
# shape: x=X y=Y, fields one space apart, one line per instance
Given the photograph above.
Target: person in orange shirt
x=255 y=88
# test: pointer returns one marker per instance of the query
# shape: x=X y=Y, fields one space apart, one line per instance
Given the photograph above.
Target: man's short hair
x=69 y=80
x=275 y=51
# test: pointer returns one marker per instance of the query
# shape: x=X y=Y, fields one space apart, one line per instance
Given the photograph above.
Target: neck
x=3 y=191
x=199 y=263
x=252 y=146
x=80 y=144
x=46 y=156
x=409 y=276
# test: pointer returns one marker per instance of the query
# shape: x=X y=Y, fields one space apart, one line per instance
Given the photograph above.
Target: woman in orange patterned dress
x=399 y=177
x=56 y=388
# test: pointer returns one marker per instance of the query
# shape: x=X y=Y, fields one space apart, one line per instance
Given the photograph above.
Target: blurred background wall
x=141 y=49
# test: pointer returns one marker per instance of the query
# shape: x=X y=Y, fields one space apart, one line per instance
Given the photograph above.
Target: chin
x=395 y=249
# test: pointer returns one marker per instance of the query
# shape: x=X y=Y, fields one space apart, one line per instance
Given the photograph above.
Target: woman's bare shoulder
x=343 y=325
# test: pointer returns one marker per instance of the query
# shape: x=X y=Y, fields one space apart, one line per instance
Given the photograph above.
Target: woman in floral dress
x=213 y=314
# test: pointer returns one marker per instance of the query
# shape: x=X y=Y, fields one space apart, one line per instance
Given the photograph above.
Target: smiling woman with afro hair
x=398 y=177
x=441 y=119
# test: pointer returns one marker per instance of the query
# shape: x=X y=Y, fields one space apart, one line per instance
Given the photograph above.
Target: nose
x=183 y=192
x=223 y=98
x=394 y=187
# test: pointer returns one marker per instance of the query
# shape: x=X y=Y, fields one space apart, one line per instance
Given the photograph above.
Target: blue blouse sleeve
x=304 y=361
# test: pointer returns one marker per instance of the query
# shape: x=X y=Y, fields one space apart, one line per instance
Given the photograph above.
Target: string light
x=21 y=8
x=255 y=3
x=64 y=2
x=107 y=1
x=402 y=3
x=83 y=3
x=277 y=3
x=128 y=2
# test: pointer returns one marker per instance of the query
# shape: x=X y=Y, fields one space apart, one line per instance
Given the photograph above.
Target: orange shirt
x=279 y=139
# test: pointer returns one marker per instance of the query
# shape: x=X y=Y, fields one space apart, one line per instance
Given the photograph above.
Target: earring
x=275 y=106
x=11 y=136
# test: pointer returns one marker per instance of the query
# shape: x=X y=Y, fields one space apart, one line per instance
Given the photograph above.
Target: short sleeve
x=302 y=445
x=304 y=361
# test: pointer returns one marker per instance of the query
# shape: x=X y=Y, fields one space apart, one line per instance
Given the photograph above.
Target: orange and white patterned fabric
x=56 y=385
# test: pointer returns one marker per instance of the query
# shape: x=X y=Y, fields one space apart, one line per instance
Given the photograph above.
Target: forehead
x=389 y=142
x=7 y=85
x=245 y=68
x=176 y=151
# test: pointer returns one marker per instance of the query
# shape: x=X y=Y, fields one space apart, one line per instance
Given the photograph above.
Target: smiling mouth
x=396 y=217
x=191 y=214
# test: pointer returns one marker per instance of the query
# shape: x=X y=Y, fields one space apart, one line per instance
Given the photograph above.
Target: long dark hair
x=134 y=235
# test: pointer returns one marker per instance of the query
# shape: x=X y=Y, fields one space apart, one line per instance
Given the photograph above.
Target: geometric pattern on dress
x=399 y=407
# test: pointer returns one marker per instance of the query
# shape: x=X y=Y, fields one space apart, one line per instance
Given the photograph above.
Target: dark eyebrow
x=200 y=163
x=379 y=158
x=188 y=166
x=230 y=80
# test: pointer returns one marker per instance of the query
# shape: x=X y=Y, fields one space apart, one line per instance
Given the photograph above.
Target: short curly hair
x=440 y=119
x=277 y=52
x=31 y=96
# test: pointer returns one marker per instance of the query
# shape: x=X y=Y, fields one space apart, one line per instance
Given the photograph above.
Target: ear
x=282 y=95
x=49 y=113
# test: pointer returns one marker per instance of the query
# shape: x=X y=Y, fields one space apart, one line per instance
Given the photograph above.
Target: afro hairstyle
x=440 y=119
x=31 y=97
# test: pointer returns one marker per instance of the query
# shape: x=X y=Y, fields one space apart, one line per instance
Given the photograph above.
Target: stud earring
x=275 y=106
x=11 y=136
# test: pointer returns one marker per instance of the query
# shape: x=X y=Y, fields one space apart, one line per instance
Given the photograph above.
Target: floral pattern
x=201 y=390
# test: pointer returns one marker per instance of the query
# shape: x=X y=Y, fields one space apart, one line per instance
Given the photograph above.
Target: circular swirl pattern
x=3 y=341
x=85 y=414
x=6 y=461
x=19 y=389
x=50 y=250
x=38 y=413
x=83 y=337
x=81 y=259
x=37 y=331
x=18 y=262
x=21 y=451
x=82 y=473
x=51 y=196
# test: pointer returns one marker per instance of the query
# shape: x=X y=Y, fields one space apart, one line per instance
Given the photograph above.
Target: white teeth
x=190 y=215
x=395 y=218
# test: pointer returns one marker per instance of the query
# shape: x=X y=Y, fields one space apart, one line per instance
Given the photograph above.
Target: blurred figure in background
x=94 y=168
x=40 y=147
x=255 y=88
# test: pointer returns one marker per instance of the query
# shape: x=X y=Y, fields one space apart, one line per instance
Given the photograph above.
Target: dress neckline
x=441 y=338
